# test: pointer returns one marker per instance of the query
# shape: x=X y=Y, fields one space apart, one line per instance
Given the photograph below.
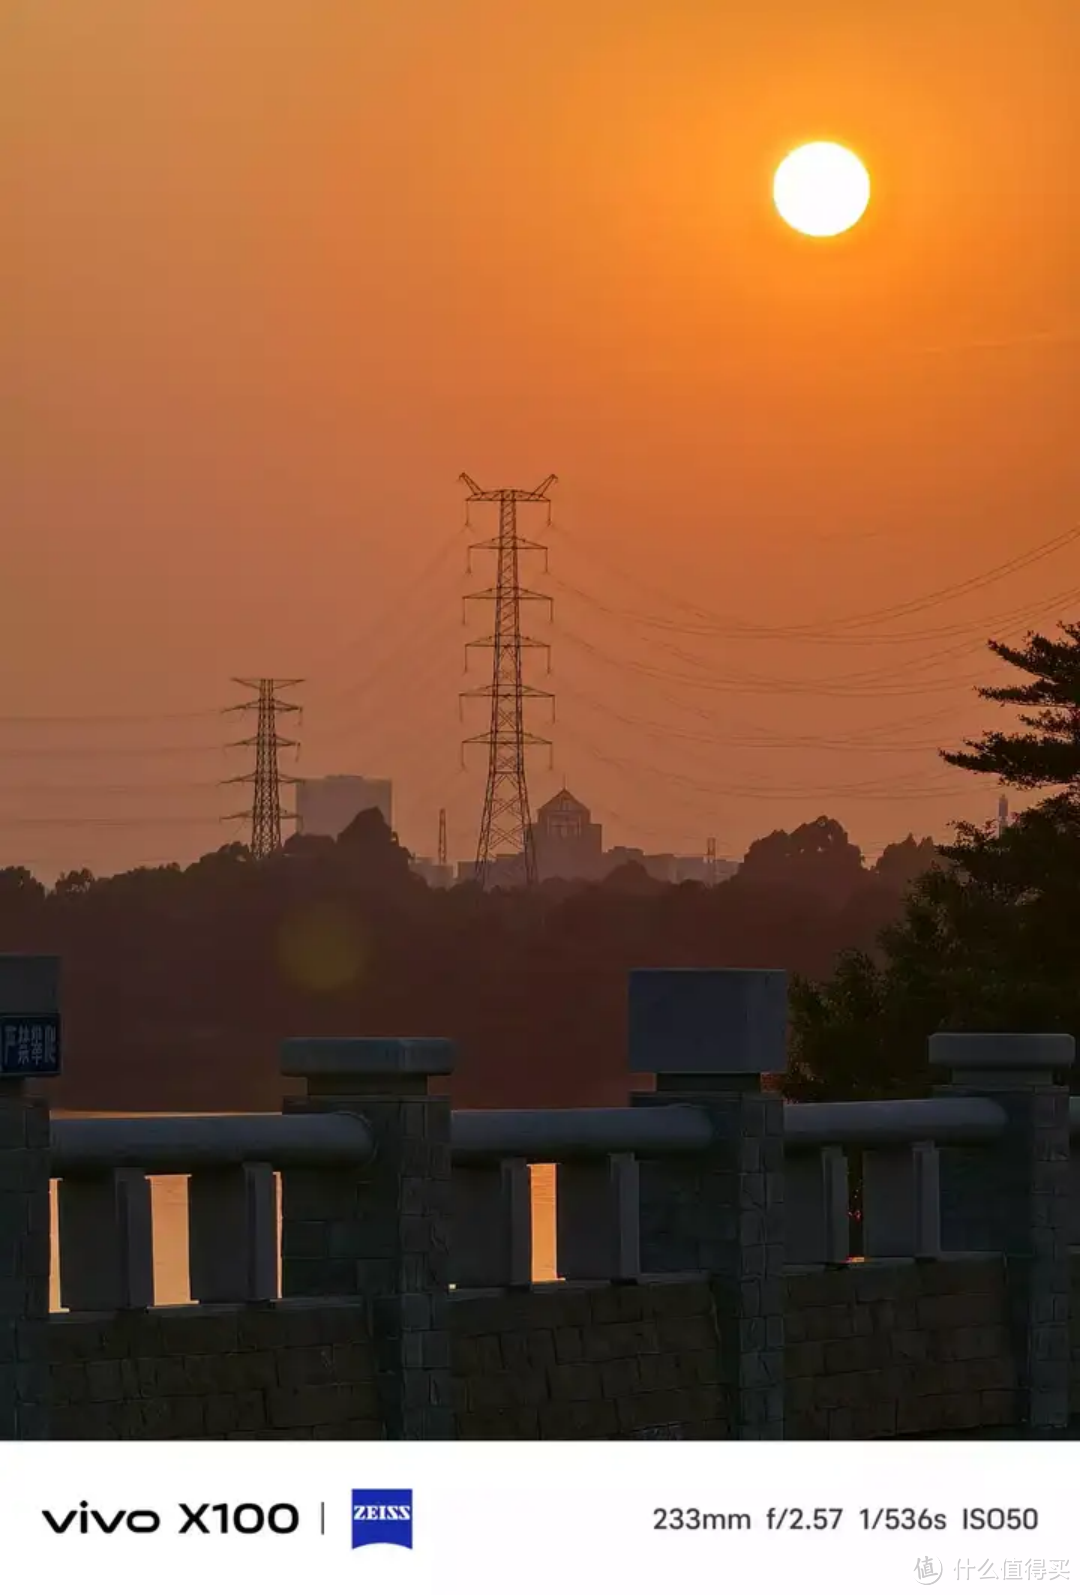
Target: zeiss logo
x=382 y=1517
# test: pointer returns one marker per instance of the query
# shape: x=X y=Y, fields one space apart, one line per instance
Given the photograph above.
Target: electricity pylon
x=266 y=812
x=505 y=821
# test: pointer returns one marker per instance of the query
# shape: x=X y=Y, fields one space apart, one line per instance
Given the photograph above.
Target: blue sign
x=29 y=1044
x=382 y=1517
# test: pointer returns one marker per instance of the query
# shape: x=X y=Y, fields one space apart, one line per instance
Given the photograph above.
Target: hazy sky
x=278 y=270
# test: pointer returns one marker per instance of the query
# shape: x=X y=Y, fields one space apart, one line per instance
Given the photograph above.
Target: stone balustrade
x=103 y=1166
x=708 y=1218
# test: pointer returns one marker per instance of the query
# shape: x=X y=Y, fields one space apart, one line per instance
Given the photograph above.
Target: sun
x=821 y=189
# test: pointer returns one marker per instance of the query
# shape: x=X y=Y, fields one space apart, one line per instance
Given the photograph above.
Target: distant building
x=670 y=867
x=327 y=804
x=505 y=870
x=436 y=874
x=692 y=868
x=616 y=857
x=568 y=845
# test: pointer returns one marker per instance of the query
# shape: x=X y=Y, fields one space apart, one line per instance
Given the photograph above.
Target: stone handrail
x=550 y=1135
x=195 y=1143
x=104 y=1199
x=958 y=1121
x=104 y=1164
x=597 y=1153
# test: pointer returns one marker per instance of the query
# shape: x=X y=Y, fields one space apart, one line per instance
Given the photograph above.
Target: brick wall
x=288 y=1371
x=606 y=1362
x=874 y=1351
x=880 y=1351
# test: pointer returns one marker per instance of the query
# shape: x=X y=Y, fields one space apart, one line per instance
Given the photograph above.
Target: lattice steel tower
x=506 y=821
x=266 y=812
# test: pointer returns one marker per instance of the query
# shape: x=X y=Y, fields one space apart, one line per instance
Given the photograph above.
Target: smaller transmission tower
x=506 y=821
x=442 y=839
x=266 y=812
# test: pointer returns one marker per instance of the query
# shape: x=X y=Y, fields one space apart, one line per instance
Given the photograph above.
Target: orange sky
x=278 y=271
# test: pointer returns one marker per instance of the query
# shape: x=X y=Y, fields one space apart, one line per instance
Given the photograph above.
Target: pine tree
x=1047 y=752
x=989 y=937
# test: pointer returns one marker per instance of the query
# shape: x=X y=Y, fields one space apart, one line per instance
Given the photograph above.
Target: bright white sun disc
x=821 y=189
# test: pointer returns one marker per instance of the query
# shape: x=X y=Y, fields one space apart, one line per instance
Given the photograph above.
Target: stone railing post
x=708 y=1035
x=380 y=1232
x=29 y=1047
x=1013 y=1198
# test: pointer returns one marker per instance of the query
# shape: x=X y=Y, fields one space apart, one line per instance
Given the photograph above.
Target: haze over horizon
x=280 y=273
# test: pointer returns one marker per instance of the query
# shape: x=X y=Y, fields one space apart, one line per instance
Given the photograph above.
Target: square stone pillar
x=382 y=1231
x=708 y=1035
x=1013 y=1197
x=28 y=988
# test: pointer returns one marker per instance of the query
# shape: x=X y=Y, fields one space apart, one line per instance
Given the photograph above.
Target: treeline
x=179 y=983
x=989 y=940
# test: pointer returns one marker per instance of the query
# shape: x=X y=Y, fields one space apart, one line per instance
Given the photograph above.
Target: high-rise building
x=327 y=804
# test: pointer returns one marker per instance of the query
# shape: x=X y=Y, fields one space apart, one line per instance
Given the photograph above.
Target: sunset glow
x=283 y=272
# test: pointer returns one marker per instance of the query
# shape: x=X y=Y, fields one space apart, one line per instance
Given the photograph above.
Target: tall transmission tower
x=506 y=822
x=266 y=812
x=442 y=839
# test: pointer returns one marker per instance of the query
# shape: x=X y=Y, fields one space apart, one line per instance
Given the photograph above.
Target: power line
x=1023 y=614
x=506 y=819
x=862 y=791
x=689 y=619
x=107 y=719
x=766 y=685
x=419 y=645
x=62 y=822
x=874 y=682
x=110 y=753
x=736 y=626
x=42 y=788
x=860 y=744
x=393 y=619
x=266 y=779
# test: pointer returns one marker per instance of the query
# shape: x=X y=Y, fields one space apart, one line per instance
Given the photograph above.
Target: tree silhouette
x=370 y=851
x=1047 y=753
x=989 y=937
x=180 y=983
x=19 y=887
x=902 y=863
x=76 y=883
x=818 y=855
x=991 y=942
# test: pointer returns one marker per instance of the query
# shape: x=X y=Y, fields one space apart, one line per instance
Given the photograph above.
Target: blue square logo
x=382 y=1517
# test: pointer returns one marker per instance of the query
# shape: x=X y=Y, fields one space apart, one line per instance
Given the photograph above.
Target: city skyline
x=56 y=737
